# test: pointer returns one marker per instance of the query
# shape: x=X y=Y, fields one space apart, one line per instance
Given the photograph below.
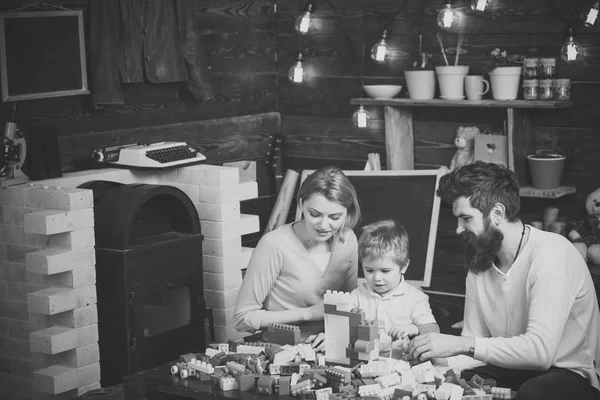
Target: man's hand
x=403 y=331
x=317 y=342
x=436 y=345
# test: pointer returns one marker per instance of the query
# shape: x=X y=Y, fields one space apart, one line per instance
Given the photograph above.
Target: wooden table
x=158 y=383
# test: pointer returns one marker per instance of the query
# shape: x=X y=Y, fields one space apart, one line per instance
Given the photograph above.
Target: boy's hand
x=403 y=331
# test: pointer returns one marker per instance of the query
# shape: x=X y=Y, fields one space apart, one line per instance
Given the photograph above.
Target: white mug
x=474 y=86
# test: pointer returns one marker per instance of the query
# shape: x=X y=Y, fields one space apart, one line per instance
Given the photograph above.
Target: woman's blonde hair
x=334 y=185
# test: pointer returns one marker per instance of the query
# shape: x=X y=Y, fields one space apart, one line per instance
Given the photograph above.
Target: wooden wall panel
x=219 y=140
x=240 y=48
x=317 y=119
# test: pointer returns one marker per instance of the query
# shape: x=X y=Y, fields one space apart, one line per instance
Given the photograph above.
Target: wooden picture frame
x=42 y=55
x=407 y=196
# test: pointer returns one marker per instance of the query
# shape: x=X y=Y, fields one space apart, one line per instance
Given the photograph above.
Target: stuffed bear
x=585 y=234
x=465 y=146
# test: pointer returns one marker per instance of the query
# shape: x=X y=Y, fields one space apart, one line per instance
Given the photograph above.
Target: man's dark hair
x=484 y=184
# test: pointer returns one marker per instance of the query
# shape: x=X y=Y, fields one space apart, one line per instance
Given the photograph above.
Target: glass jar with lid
x=547 y=68
x=546 y=89
x=530 y=68
x=531 y=89
x=562 y=89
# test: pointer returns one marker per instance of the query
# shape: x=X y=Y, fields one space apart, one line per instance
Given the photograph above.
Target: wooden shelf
x=529 y=104
x=530 y=191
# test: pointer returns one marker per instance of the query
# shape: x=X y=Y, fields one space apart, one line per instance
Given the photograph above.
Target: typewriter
x=151 y=156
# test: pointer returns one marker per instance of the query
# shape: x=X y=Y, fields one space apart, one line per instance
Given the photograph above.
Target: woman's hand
x=315 y=312
x=403 y=331
x=317 y=342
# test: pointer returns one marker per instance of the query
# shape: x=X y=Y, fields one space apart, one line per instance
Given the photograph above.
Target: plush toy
x=585 y=234
x=465 y=146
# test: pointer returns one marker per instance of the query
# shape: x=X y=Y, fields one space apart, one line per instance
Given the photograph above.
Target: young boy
x=402 y=311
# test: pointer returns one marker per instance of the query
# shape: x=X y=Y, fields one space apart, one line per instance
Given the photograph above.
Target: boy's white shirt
x=405 y=304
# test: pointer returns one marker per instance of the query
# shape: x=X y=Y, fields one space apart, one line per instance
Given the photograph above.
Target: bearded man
x=531 y=316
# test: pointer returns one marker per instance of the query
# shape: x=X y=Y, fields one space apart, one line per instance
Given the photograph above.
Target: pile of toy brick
x=269 y=368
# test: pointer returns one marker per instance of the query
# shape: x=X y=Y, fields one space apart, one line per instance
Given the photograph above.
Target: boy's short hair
x=381 y=238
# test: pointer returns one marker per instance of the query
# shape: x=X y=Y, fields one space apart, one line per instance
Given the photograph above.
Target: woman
x=292 y=266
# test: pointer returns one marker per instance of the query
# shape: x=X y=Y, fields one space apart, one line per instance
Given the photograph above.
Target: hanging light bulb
x=571 y=50
x=361 y=117
x=304 y=22
x=479 y=5
x=380 y=50
x=296 y=73
x=590 y=15
x=447 y=18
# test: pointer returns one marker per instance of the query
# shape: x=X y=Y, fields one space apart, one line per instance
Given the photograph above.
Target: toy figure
x=465 y=146
x=585 y=233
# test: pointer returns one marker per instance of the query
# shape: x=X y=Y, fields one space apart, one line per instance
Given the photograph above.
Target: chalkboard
x=42 y=54
x=407 y=196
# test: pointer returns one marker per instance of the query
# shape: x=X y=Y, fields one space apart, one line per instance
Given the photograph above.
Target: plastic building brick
x=478 y=397
x=338 y=375
x=264 y=385
x=187 y=357
x=400 y=393
x=323 y=394
x=285 y=356
x=204 y=367
x=318 y=380
x=386 y=381
x=367 y=330
x=500 y=393
x=426 y=388
x=247 y=382
x=476 y=381
x=321 y=360
x=369 y=390
x=224 y=347
x=283 y=334
x=235 y=367
x=307 y=352
x=303 y=367
x=387 y=393
x=245 y=349
x=228 y=383
x=284 y=385
x=424 y=373
x=289 y=369
x=301 y=387
x=340 y=299
x=218 y=359
x=210 y=352
x=274 y=369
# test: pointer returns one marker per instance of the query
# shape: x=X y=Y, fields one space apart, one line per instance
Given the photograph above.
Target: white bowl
x=382 y=91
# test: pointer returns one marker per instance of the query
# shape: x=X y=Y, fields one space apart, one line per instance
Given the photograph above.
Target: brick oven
x=49 y=317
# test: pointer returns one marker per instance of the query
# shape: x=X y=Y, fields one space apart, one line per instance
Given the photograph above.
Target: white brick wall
x=48 y=319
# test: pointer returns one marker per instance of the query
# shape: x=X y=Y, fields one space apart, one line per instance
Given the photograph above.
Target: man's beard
x=483 y=249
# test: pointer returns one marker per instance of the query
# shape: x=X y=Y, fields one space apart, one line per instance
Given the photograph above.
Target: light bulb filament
x=380 y=52
x=591 y=17
x=304 y=23
x=447 y=18
x=298 y=72
x=571 y=52
x=480 y=5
